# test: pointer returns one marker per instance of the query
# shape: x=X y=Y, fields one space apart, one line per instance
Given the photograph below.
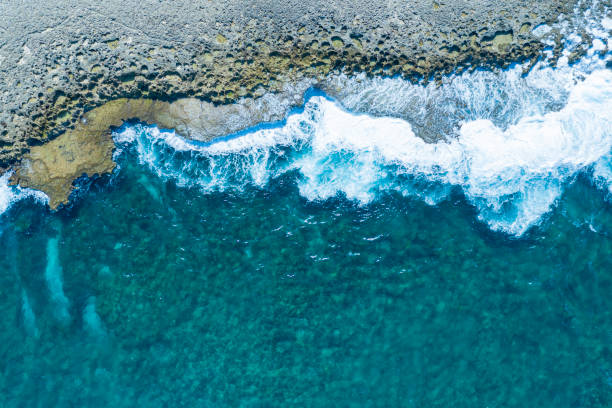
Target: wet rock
x=63 y=62
x=87 y=149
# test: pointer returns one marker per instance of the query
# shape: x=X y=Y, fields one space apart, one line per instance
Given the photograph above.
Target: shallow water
x=261 y=298
x=335 y=258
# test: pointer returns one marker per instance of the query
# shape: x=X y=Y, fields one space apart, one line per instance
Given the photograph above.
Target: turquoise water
x=169 y=297
x=335 y=258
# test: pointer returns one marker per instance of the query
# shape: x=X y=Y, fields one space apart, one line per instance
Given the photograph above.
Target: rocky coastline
x=74 y=70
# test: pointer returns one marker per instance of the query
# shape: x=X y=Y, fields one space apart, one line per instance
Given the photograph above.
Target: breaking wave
x=510 y=140
x=11 y=194
x=512 y=174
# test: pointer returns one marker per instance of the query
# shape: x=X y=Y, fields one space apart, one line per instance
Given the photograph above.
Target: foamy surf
x=12 y=194
x=510 y=141
x=512 y=172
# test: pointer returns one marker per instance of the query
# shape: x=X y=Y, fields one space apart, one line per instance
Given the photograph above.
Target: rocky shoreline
x=74 y=69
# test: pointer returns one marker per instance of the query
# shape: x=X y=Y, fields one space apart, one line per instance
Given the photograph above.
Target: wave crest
x=511 y=174
x=11 y=194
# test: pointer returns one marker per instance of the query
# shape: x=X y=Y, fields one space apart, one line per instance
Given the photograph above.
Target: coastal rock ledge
x=71 y=70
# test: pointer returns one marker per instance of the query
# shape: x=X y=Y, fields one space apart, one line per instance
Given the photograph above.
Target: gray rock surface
x=61 y=58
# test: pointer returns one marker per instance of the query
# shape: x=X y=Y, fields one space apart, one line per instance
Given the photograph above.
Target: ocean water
x=388 y=244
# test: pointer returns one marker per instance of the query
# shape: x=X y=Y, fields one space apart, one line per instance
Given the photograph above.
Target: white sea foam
x=512 y=175
x=510 y=141
x=11 y=194
x=602 y=173
x=6 y=195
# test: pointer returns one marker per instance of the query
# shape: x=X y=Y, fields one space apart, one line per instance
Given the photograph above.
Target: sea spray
x=510 y=140
x=53 y=277
x=215 y=295
x=437 y=110
x=512 y=174
x=11 y=194
x=7 y=196
x=602 y=174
